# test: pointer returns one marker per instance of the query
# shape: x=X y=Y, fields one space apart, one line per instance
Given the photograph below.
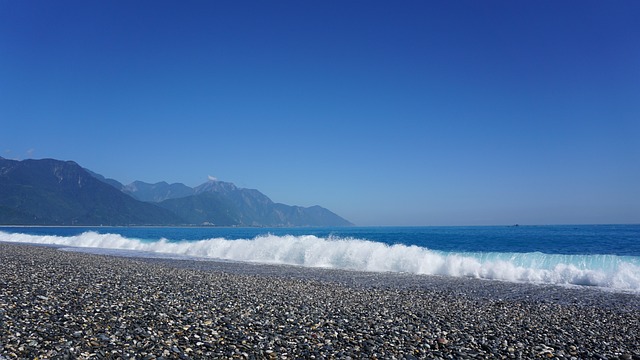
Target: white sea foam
x=608 y=271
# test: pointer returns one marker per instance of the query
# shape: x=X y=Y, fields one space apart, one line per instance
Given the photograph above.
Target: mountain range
x=54 y=192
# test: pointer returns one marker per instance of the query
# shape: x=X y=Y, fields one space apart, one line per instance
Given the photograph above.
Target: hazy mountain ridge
x=157 y=192
x=224 y=204
x=54 y=192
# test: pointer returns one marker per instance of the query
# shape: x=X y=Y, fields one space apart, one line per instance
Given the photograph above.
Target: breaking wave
x=607 y=271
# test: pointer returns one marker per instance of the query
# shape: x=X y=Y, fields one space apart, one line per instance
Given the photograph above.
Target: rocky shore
x=66 y=305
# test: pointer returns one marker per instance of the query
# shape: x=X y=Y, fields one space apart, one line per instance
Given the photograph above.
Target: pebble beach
x=68 y=305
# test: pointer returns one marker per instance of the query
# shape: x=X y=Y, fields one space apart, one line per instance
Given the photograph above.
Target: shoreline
x=477 y=288
x=76 y=305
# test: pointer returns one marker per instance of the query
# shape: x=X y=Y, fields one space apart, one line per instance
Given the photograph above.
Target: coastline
x=75 y=305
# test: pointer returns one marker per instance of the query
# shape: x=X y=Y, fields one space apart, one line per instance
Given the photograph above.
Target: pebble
x=58 y=304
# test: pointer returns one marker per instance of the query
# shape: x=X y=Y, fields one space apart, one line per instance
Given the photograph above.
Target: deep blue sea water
x=606 y=256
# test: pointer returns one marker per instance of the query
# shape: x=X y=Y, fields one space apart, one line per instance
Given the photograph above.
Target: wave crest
x=608 y=271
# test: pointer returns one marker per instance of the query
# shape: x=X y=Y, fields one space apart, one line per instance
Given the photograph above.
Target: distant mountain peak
x=215 y=186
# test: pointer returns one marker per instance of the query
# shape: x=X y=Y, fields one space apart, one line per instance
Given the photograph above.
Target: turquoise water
x=605 y=256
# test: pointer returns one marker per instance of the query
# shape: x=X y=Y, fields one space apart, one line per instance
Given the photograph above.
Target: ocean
x=602 y=256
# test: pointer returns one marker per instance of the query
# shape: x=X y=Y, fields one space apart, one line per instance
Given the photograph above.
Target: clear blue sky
x=386 y=112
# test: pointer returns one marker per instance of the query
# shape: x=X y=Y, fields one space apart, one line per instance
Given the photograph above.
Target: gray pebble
x=56 y=304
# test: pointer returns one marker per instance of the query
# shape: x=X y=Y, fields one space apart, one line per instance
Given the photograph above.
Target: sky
x=385 y=112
